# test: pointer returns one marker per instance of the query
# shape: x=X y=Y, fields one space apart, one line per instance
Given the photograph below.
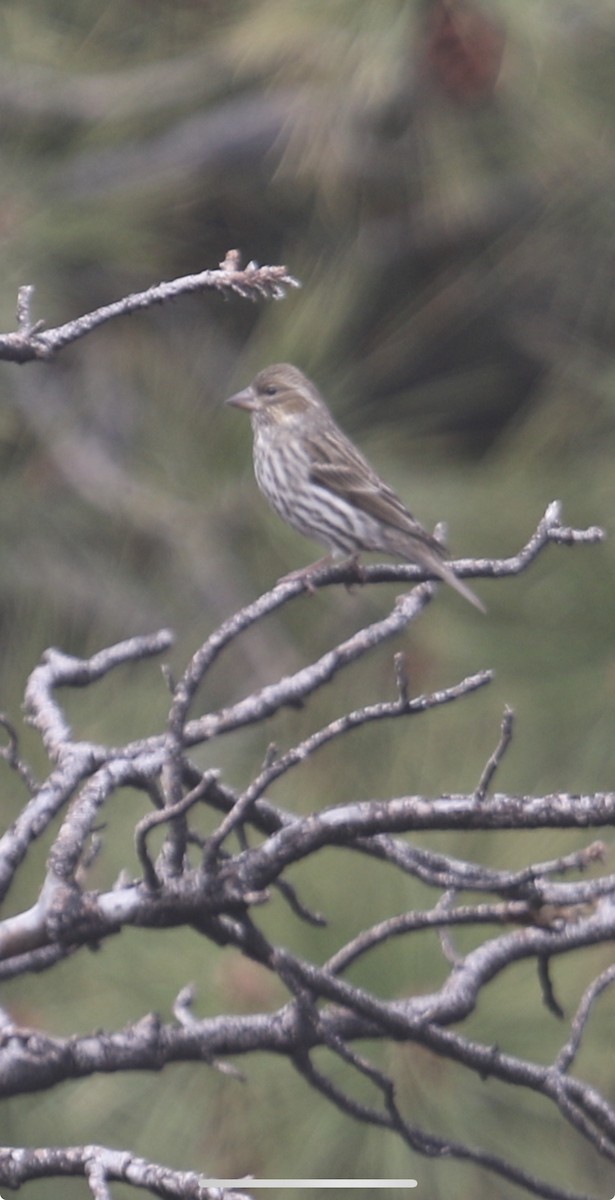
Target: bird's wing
x=337 y=465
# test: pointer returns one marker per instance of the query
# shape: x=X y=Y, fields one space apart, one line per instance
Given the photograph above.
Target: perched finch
x=319 y=482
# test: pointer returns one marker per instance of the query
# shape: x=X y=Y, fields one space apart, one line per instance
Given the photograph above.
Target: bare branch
x=100 y=1165
x=441 y=917
x=417 y=1139
x=516 y=915
x=296 y=688
x=343 y=725
x=569 y=1052
x=550 y=529
x=494 y=761
x=293 y=688
x=546 y=985
x=164 y=816
x=32 y=342
x=63 y=670
x=10 y=753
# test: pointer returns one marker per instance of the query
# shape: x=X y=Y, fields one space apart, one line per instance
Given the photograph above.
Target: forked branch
x=31 y=341
x=217 y=883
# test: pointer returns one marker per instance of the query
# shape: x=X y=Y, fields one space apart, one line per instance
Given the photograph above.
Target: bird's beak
x=245 y=399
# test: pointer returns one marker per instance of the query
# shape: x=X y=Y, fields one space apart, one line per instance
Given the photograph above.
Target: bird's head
x=279 y=394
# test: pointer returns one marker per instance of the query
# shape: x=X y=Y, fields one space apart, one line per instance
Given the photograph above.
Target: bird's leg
x=354 y=563
x=305 y=573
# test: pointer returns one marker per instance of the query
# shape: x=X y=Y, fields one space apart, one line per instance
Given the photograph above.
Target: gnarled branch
x=217 y=884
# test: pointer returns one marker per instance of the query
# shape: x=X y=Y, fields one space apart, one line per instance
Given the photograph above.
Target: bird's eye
x=270 y=390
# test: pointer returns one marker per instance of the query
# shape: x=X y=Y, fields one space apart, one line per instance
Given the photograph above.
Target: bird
x=317 y=480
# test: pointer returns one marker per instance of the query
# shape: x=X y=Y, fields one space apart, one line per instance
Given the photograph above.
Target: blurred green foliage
x=451 y=219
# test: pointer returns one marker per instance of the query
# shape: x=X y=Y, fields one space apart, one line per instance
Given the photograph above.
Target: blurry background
x=441 y=178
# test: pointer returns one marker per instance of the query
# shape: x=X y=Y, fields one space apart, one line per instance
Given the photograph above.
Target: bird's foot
x=306 y=574
x=353 y=563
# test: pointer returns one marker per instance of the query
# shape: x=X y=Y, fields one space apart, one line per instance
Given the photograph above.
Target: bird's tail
x=431 y=556
x=448 y=575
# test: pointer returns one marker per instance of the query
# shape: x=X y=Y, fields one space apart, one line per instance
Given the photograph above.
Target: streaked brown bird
x=318 y=481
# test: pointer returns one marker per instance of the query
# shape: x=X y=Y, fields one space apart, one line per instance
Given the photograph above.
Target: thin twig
x=162 y=817
x=569 y=1051
x=20 y=1165
x=32 y=342
x=495 y=759
x=546 y=985
x=10 y=753
x=343 y=725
